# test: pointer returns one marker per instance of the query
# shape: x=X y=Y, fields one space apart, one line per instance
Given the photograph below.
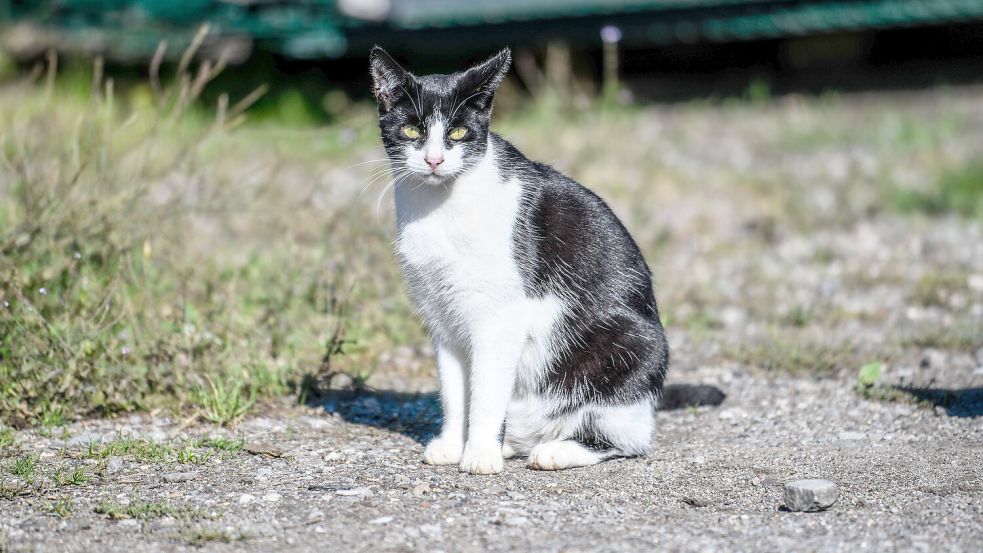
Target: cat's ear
x=479 y=83
x=389 y=80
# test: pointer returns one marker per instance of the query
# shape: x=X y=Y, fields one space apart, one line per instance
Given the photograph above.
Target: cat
x=539 y=303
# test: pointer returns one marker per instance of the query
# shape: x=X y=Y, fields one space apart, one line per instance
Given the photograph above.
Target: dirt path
x=348 y=477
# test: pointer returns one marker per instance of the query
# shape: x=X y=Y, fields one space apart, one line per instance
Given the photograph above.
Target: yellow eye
x=457 y=133
x=411 y=131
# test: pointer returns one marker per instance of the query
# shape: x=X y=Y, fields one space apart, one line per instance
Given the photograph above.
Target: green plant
x=61 y=508
x=958 y=190
x=144 y=510
x=6 y=438
x=225 y=403
x=24 y=467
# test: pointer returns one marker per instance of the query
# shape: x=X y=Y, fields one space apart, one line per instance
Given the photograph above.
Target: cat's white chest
x=455 y=245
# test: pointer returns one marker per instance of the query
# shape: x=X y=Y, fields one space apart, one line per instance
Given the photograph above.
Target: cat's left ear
x=481 y=81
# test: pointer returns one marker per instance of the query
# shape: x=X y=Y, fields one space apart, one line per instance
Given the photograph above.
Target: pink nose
x=433 y=162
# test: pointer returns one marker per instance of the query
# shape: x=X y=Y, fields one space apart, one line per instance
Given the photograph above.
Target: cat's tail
x=680 y=396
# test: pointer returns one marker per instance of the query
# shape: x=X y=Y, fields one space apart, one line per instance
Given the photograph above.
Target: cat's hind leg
x=604 y=432
x=563 y=454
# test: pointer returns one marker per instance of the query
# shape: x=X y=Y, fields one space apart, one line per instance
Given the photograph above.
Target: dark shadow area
x=967 y=402
x=681 y=396
x=416 y=415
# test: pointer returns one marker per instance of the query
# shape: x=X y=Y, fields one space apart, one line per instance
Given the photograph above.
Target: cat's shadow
x=417 y=414
x=413 y=414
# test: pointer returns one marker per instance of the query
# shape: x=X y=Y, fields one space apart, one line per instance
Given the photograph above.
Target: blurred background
x=194 y=211
x=667 y=49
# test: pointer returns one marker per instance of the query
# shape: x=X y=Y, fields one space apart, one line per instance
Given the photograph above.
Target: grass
x=958 y=190
x=787 y=354
x=141 y=268
x=193 y=451
x=148 y=510
x=60 y=508
x=7 y=439
x=200 y=536
x=964 y=336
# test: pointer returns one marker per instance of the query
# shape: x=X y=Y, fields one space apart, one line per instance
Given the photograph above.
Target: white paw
x=482 y=459
x=442 y=452
x=561 y=455
x=508 y=452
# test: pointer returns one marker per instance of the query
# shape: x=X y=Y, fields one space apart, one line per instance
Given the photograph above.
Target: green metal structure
x=128 y=29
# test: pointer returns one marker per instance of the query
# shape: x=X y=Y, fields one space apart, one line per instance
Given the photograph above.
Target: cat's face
x=435 y=126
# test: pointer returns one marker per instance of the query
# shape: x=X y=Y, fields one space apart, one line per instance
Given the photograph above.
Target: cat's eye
x=411 y=131
x=457 y=133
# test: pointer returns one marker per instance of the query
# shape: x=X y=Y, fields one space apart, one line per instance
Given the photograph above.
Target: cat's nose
x=433 y=162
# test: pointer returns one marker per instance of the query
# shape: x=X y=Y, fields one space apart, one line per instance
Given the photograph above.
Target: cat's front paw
x=443 y=452
x=482 y=459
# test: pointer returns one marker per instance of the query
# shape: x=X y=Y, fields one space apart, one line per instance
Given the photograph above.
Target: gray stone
x=114 y=465
x=175 y=477
x=810 y=495
x=84 y=438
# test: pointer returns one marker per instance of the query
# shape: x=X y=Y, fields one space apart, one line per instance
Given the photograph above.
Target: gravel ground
x=347 y=476
x=776 y=291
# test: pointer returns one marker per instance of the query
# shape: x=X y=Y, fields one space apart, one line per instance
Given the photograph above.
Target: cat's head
x=435 y=126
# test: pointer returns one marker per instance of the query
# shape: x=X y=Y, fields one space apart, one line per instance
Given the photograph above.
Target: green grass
x=144 y=510
x=958 y=190
x=25 y=467
x=963 y=336
x=60 y=508
x=138 y=269
x=7 y=439
x=193 y=451
x=200 y=536
x=788 y=354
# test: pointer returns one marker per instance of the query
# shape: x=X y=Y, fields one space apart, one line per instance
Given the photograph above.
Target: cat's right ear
x=388 y=78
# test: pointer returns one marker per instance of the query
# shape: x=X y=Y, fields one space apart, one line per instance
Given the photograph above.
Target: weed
x=782 y=354
x=200 y=536
x=225 y=403
x=60 y=508
x=191 y=452
x=964 y=336
x=143 y=510
x=24 y=467
x=76 y=477
x=224 y=444
x=958 y=190
x=935 y=287
x=7 y=438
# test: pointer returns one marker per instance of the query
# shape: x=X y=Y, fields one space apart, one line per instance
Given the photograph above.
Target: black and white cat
x=538 y=301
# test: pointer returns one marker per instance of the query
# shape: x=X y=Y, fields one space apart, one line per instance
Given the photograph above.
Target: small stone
x=114 y=465
x=271 y=497
x=84 y=438
x=421 y=489
x=175 y=477
x=246 y=499
x=810 y=495
x=381 y=520
x=851 y=436
x=363 y=491
x=515 y=520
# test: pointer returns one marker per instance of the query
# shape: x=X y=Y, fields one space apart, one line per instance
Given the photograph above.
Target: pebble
x=271 y=497
x=84 y=438
x=114 y=464
x=175 y=477
x=515 y=520
x=356 y=491
x=810 y=495
x=381 y=520
x=246 y=499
